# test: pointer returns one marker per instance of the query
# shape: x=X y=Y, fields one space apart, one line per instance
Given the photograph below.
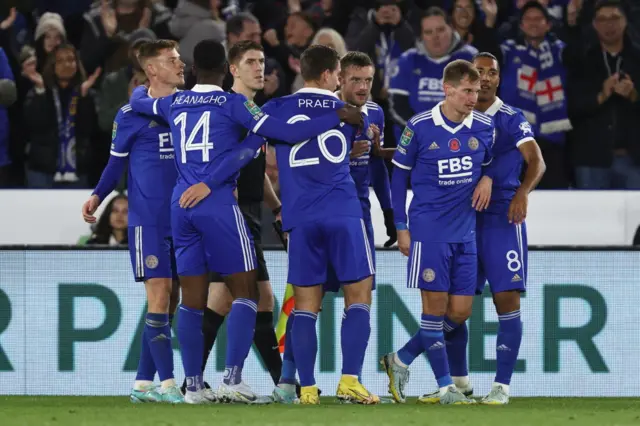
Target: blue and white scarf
x=66 y=171
x=534 y=80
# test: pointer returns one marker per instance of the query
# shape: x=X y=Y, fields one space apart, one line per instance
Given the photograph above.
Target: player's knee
x=219 y=299
x=158 y=294
x=266 y=300
x=459 y=308
x=359 y=292
x=194 y=291
x=434 y=303
x=308 y=298
x=242 y=285
x=507 y=301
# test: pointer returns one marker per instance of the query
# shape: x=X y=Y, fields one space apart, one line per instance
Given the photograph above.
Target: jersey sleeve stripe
x=399 y=92
x=482 y=119
x=488 y=162
x=524 y=140
x=402 y=166
x=507 y=110
x=420 y=117
x=260 y=123
x=119 y=154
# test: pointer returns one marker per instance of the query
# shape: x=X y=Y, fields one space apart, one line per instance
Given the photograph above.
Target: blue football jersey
x=512 y=130
x=446 y=164
x=420 y=77
x=361 y=167
x=315 y=178
x=152 y=171
x=208 y=123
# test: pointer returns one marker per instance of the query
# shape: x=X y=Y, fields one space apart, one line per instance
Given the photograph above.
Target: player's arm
x=271 y=198
x=482 y=193
x=157 y=107
x=122 y=139
x=382 y=188
x=523 y=136
x=400 y=91
x=404 y=161
x=262 y=123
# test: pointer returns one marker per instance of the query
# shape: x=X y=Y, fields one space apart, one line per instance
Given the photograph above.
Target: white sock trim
x=396 y=359
x=504 y=387
x=166 y=384
x=445 y=389
x=140 y=385
x=461 y=382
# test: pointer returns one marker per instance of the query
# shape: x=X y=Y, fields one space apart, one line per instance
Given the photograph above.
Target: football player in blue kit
x=501 y=236
x=146 y=144
x=322 y=213
x=366 y=167
x=444 y=151
x=206 y=125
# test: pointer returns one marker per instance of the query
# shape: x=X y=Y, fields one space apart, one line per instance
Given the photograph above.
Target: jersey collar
x=438 y=120
x=317 y=91
x=495 y=107
x=206 y=88
x=363 y=108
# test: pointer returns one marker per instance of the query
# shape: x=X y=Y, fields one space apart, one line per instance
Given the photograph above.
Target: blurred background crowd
x=66 y=67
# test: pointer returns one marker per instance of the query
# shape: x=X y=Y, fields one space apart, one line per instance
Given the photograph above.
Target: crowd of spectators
x=66 y=67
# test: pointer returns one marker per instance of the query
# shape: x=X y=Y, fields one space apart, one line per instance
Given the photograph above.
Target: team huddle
x=465 y=224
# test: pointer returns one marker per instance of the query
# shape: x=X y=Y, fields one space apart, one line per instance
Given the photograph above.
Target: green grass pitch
x=118 y=411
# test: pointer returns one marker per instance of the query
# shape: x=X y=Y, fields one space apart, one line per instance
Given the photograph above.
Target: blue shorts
x=502 y=254
x=443 y=267
x=340 y=243
x=333 y=283
x=151 y=251
x=211 y=238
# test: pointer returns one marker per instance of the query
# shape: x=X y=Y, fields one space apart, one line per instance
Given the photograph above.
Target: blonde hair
x=338 y=42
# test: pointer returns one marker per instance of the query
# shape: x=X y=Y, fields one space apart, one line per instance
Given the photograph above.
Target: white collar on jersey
x=317 y=91
x=206 y=88
x=363 y=108
x=438 y=120
x=495 y=107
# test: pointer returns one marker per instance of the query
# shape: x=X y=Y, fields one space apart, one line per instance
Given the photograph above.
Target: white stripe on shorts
x=244 y=240
x=521 y=249
x=414 y=271
x=139 y=256
x=372 y=270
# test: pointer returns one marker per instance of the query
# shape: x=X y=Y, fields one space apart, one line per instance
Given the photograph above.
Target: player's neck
x=314 y=85
x=238 y=87
x=451 y=114
x=482 y=106
x=159 y=90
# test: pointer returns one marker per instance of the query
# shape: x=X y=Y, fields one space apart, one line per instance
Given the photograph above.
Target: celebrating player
x=323 y=216
x=246 y=64
x=356 y=78
x=443 y=150
x=213 y=235
x=501 y=236
x=152 y=176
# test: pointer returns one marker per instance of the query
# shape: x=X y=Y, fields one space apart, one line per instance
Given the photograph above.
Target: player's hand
x=518 y=207
x=89 y=208
x=192 y=196
x=375 y=146
x=404 y=241
x=482 y=194
x=351 y=115
x=392 y=233
x=359 y=148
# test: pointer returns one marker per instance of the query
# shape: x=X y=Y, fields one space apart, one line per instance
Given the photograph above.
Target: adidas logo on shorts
x=516 y=278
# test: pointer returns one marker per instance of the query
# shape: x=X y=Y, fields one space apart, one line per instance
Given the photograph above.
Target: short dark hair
x=209 y=55
x=435 y=11
x=238 y=50
x=152 y=49
x=235 y=25
x=355 y=59
x=533 y=4
x=317 y=59
x=457 y=70
x=486 y=55
x=601 y=4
